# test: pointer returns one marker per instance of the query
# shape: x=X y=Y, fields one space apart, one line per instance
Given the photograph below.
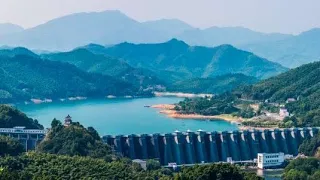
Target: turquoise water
x=121 y=116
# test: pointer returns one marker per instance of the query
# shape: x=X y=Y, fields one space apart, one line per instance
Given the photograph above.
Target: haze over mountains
x=113 y=27
x=176 y=60
x=7 y=28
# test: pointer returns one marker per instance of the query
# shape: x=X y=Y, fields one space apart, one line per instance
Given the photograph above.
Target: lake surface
x=121 y=116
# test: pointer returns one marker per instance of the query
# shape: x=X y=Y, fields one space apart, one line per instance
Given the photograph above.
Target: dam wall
x=204 y=147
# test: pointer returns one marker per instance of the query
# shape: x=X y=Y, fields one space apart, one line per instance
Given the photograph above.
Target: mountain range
x=127 y=69
x=113 y=27
x=175 y=60
x=7 y=28
x=290 y=52
x=97 y=63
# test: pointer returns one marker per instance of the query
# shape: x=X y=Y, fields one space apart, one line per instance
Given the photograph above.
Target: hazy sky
x=286 y=16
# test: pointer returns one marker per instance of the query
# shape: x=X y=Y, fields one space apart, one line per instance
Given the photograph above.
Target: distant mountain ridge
x=8 y=28
x=290 y=52
x=113 y=27
x=177 y=60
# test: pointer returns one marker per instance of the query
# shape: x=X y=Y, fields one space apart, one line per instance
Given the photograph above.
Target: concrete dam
x=205 y=147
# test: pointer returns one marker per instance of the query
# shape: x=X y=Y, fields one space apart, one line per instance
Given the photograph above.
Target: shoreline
x=168 y=110
x=180 y=94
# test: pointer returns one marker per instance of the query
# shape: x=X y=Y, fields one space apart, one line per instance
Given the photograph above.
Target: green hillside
x=218 y=84
x=181 y=61
x=96 y=63
x=302 y=83
x=25 y=77
x=11 y=52
x=11 y=117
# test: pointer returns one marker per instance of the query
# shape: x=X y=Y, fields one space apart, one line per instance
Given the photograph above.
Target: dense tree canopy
x=10 y=146
x=74 y=140
x=310 y=146
x=11 y=117
x=216 y=85
x=302 y=169
x=302 y=83
x=221 y=104
x=214 y=172
x=49 y=166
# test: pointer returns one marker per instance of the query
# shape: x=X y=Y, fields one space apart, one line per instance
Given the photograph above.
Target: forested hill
x=216 y=85
x=97 y=63
x=302 y=83
x=11 y=52
x=24 y=77
x=178 y=60
x=11 y=117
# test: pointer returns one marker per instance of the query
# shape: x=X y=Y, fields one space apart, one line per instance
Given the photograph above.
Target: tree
x=153 y=164
x=213 y=171
x=74 y=140
x=302 y=168
x=10 y=146
x=296 y=175
x=55 y=123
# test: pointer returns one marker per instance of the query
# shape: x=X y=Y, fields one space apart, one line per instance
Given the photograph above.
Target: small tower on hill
x=67 y=120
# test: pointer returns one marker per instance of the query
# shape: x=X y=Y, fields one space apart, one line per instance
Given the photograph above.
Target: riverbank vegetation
x=297 y=90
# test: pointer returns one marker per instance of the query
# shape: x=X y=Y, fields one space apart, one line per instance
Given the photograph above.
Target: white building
x=266 y=160
x=289 y=100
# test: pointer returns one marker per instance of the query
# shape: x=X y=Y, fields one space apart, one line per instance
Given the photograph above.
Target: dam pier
x=206 y=147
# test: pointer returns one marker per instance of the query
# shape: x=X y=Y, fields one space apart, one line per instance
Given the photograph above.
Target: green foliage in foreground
x=10 y=146
x=74 y=140
x=48 y=166
x=302 y=169
x=11 y=117
x=214 y=171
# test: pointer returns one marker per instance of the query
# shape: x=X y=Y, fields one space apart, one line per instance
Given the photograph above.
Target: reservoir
x=121 y=116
